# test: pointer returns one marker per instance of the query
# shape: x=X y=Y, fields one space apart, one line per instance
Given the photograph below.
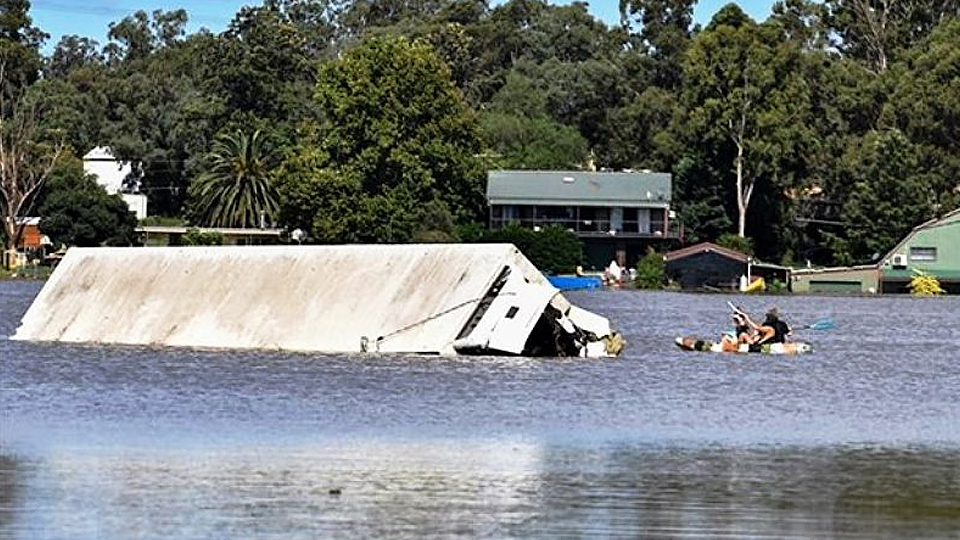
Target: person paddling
x=772 y=330
x=743 y=333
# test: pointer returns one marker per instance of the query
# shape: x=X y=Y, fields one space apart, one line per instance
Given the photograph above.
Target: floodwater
x=860 y=439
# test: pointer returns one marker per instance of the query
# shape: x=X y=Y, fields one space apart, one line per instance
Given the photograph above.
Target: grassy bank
x=38 y=273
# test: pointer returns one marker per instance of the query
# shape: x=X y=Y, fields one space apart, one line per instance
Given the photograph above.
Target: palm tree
x=236 y=191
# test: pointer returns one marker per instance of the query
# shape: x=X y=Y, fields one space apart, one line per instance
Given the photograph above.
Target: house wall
x=137 y=203
x=855 y=280
x=110 y=174
x=706 y=268
x=635 y=229
x=944 y=237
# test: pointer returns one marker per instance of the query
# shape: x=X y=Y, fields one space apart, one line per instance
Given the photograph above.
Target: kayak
x=694 y=344
x=758 y=285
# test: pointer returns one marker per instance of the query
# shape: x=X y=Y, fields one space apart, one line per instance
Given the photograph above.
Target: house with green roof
x=616 y=214
x=933 y=247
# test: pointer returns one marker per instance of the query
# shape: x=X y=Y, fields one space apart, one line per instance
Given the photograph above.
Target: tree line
x=823 y=134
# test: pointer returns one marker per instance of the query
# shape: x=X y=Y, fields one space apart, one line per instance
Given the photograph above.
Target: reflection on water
x=858 y=440
x=472 y=489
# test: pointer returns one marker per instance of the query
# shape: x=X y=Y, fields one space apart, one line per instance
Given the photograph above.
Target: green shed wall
x=836 y=280
x=945 y=236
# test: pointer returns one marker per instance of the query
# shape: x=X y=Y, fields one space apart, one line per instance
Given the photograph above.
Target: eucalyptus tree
x=161 y=118
x=744 y=97
x=518 y=132
x=925 y=104
x=71 y=53
x=28 y=156
x=890 y=194
x=876 y=31
x=237 y=189
x=137 y=35
x=662 y=30
x=263 y=65
x=538 y=143
x=641 y=134
x=20 y=43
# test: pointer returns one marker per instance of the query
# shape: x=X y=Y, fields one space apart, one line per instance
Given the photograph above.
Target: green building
x=932 y=247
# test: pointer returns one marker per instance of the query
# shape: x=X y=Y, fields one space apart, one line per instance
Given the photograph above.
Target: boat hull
x=699 y=345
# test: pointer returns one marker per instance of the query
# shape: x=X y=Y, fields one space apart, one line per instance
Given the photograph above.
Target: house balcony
x=596 y=228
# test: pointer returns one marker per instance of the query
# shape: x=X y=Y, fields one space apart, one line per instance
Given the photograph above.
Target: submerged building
x=932 y=247
x=707 y=266
x=418 y=298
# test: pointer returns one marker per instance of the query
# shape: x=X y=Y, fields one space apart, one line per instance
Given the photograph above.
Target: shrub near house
x=76 y=211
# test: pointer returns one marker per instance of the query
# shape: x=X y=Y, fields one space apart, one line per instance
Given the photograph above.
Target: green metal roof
x=580 y=188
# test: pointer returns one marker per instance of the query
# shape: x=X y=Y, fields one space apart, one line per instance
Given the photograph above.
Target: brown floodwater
x=860 y=439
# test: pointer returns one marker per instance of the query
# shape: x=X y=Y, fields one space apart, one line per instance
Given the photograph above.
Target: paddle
x=735 y=308
x=822 y=324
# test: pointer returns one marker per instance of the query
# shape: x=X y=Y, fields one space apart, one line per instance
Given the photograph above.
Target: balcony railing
x=593 y=227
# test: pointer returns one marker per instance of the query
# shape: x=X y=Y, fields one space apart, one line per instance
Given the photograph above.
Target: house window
x=923 y=254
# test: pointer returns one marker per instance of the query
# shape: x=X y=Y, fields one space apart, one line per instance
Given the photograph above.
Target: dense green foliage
x=78 y=212
x=822 y=133
x=553 y=249
x=651 y=272
x=196 y=237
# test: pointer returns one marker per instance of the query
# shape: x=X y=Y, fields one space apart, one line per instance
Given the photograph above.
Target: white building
x=115 y=176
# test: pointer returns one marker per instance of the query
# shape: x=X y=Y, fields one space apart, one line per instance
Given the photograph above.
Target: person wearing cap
x=773 y=329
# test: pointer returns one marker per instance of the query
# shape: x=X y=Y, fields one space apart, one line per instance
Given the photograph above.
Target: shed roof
x=585 y=188
x=706 y=247
x=226 y=231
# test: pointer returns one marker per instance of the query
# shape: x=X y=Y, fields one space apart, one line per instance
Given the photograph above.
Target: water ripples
x=857 y=440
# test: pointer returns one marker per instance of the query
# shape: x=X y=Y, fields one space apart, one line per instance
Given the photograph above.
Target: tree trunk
x=744 y=188
x=23 y=170
x=741 y=204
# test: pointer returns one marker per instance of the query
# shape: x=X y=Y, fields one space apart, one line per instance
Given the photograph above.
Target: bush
x=78 y=212
x=196 y=238
x=434 y=225
x=776 y=286
x=552 y=249
x=923 y=284
x=650 y=271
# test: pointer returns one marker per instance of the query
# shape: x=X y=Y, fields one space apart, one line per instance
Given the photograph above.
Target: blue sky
x=90 y=18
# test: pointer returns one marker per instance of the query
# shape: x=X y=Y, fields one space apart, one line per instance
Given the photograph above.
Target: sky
x=90 y=18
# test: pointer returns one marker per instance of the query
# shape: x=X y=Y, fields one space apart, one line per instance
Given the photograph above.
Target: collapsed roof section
x=419 y=298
